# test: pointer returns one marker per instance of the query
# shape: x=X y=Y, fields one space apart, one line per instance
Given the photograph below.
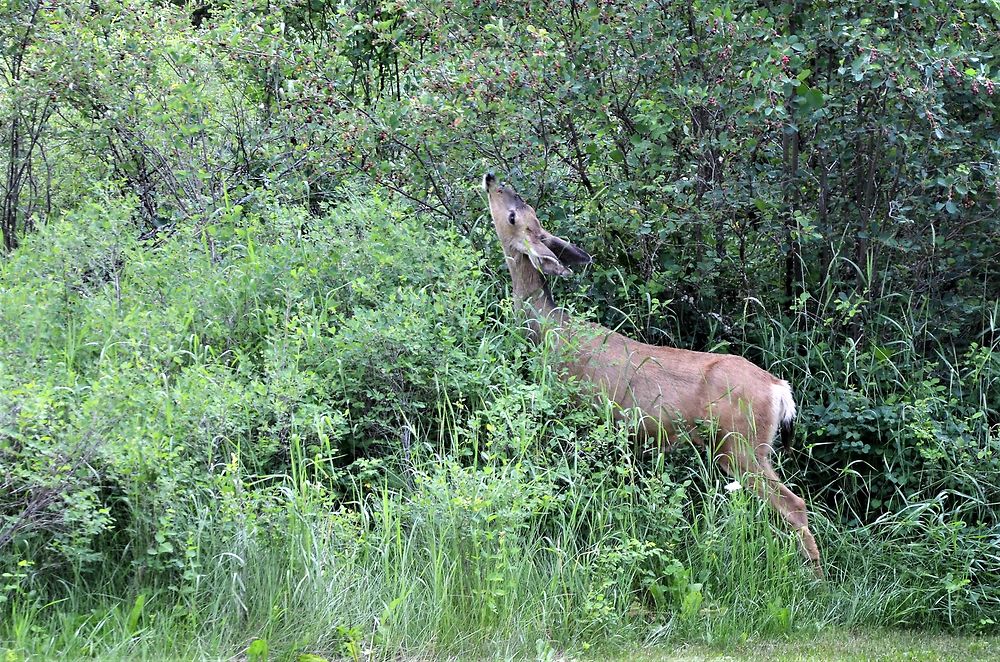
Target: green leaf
x=809 y=98
x=257 y=650
x=135 y=613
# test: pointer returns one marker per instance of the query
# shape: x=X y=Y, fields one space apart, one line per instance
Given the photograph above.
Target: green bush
x=150 y=366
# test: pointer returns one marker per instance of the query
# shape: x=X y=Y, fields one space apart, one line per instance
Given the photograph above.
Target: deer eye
x=510 y=218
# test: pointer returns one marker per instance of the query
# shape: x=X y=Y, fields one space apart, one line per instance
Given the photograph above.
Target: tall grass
x=502 y=559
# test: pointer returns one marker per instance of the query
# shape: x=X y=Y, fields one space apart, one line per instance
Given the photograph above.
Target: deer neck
x=531 y=292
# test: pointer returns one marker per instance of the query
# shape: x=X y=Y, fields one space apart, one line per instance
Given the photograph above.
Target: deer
x=674 y=390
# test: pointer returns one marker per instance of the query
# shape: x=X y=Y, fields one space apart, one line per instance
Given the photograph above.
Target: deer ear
x=566 y=252
x=541 y=257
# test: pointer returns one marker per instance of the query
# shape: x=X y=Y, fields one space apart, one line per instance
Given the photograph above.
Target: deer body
x=675 y=389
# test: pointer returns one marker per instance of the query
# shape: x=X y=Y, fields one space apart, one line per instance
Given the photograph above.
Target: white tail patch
x=783 y=403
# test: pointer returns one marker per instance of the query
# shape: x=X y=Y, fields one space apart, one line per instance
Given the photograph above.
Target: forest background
x=263 y=393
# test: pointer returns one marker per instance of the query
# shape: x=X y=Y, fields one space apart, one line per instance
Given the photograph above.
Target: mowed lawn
x=837 y=645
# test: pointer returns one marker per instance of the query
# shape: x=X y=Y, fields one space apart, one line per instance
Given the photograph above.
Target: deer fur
x=674 y=389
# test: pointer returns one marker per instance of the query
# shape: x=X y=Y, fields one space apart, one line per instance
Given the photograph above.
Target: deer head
x=520 y=232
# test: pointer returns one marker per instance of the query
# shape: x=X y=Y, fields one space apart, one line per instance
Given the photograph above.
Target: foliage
x=257 y=355
x=834 y=161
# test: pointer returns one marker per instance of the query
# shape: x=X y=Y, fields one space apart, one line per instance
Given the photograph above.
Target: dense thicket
x=245 y=253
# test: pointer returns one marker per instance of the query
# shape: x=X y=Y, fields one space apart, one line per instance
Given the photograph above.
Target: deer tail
x=785 y=412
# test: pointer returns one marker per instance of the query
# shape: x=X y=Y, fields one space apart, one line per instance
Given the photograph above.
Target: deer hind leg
x=765 y=482
x=793 y=509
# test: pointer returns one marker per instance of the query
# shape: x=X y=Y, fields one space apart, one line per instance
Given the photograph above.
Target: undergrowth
x=278 y=436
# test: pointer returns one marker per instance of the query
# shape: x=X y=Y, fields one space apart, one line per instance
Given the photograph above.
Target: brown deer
x=674 y=389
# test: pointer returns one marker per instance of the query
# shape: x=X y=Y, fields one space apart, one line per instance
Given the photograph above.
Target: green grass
x=836 y=644
x=504 y=562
